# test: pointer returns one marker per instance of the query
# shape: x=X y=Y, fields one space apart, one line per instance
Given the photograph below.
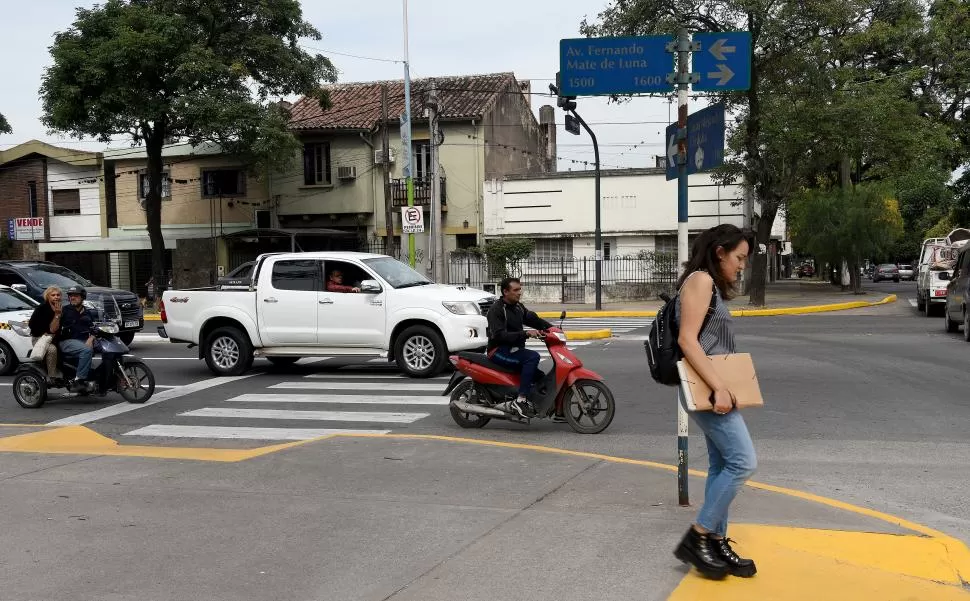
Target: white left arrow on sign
x=718 y=49
x=672 y=150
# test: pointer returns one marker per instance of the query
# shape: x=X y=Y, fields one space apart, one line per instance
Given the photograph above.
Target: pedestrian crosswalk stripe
x=243 y=433
x=366 y=376
x=326 y=416
x=337 y=399
x=405 y=386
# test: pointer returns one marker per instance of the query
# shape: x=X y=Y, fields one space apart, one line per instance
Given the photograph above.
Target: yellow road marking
x=79 y=440
x=800 y=564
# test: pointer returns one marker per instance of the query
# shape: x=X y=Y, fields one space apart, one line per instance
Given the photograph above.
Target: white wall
x=631 y=205
x=64 y=176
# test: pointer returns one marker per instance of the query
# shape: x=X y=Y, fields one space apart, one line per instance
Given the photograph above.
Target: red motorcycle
x=568 y=392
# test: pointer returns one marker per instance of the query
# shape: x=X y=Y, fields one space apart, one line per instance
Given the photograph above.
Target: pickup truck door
x=352 y=319
x=287 y=298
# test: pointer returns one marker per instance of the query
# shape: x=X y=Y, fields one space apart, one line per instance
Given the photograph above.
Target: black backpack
x=663 y=351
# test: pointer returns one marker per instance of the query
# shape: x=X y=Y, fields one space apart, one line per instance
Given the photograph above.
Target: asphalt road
x=867 y=406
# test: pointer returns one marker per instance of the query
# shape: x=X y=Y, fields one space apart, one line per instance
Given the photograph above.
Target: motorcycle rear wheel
x=463 y=393
x=594 y=402
x=30 y=390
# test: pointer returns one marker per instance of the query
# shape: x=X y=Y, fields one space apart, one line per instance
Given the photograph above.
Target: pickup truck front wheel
x=420 y=352
x=228 y=352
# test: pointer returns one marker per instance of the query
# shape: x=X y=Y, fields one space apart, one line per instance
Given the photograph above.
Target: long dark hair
x=703 y=255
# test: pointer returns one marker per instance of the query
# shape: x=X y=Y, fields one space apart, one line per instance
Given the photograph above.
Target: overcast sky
x=447 y=37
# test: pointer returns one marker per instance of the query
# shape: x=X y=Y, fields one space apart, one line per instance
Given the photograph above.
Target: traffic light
x=566 y=103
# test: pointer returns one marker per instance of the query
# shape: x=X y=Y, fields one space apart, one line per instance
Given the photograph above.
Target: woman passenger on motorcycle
x=46 y=319
x=717 y=258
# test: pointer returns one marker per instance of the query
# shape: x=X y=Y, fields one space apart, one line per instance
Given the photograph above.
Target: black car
x=239 y=278
x=108 y=304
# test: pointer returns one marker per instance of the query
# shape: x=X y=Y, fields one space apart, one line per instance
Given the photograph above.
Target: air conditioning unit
x=262 y=219
x=347 y=172
x=379 y=156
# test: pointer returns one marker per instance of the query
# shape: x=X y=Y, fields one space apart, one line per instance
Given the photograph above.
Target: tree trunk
x=854 y=277
x=153 y=208
x=759 y=260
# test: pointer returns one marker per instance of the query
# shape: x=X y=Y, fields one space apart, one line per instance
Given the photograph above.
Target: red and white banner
x=28 y=228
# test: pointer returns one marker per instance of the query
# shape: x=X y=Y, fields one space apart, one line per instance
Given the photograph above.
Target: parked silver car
x=907 y=273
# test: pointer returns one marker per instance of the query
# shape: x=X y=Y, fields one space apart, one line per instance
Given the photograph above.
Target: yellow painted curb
x=804 y=310
x=589 y=334
x=152 y=318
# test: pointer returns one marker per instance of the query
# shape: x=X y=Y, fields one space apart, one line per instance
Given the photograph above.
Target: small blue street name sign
x=723 y=61
x=705 y=141
x=615 y=65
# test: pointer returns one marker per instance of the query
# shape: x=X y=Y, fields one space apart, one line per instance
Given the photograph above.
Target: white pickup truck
x=288 y=313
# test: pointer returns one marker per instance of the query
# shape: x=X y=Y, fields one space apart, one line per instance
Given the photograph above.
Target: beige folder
x=737 y=373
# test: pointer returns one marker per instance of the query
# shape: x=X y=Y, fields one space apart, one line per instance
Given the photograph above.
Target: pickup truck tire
x=228 y=352
x=420 y=352
x=920 y=303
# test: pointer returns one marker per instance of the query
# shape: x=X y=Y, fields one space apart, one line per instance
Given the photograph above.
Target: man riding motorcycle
x=507 y=319
x=76 y=337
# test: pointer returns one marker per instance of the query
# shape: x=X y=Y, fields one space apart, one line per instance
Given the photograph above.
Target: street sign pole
x=408 y=180
x=682 y=46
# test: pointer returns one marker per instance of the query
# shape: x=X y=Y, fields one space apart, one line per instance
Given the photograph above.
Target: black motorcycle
x=124 y=373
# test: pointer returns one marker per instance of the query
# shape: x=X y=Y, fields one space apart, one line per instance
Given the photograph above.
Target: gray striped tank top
x=717 y=337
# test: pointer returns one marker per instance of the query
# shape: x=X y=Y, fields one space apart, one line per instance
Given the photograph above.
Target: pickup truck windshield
x=55 y=275
x=396 y=273
x=11 y=301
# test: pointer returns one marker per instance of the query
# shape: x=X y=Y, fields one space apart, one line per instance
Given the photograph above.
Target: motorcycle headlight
x=107 y=327
x=462 y=308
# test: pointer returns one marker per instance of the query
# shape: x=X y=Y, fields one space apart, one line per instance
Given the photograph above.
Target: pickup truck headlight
x=462 y=308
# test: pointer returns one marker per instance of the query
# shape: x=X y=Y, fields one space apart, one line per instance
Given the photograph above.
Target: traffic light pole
x=598 y=234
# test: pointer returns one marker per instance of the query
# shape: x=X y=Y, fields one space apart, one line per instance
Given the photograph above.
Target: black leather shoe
x=737 y=565
x=699 y=551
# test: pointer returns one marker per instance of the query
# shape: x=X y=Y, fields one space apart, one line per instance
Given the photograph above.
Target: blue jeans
x=84 y=354
x=731 y=460
x=525 y=360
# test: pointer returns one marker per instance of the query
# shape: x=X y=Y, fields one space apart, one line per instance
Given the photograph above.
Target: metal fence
x=658 y=270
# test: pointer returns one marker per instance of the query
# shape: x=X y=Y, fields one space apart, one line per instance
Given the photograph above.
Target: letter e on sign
x=412 y=220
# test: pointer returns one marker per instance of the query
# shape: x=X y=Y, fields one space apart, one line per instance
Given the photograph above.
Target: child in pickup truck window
x=336 y=283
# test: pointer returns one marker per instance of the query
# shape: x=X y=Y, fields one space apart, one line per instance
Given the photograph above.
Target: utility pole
x=436 y=232
x=406 y=132
x=385 y=149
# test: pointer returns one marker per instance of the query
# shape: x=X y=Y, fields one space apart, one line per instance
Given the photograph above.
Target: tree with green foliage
x=846 y=224
x=4 y=126
x=505 y=254
x=161 y=70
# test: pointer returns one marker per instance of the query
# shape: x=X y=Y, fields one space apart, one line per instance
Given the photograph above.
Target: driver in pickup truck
x=336 y=283
x=507 y=319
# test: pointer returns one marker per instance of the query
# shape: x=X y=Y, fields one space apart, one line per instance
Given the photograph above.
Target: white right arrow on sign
x=722 y=75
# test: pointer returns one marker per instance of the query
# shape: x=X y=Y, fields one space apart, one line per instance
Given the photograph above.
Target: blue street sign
x=615 y=65
x=705 y=141
x=11 y=230
x=723 y=62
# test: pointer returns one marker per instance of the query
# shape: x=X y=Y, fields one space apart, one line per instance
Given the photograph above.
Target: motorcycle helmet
x=77 y=290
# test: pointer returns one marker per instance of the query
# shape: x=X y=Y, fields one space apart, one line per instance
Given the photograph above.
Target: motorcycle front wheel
x=589 y=406
x=463 y=393
x=139 y=385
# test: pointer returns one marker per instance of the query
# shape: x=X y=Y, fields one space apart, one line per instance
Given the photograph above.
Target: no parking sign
x=412 y=220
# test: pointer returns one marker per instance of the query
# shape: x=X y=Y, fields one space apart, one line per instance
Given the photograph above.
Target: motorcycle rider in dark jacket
x=507 y=319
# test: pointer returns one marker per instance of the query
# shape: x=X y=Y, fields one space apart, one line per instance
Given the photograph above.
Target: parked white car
x=288 y=313
x=15 y=307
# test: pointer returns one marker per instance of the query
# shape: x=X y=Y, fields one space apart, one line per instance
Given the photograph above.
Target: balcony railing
x=422 y=192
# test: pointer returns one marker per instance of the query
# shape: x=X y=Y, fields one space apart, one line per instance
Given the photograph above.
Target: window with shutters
x=553 y=249
x=316 y=164
x=223 y=182
x=66 y=202
x=143 y=185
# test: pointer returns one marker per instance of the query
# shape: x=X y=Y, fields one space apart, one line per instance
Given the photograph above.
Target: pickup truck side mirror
x=945 y=275
x=370 y=287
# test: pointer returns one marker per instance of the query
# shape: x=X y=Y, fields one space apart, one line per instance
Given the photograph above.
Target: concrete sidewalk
x=432 y=519
x=785 y=294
